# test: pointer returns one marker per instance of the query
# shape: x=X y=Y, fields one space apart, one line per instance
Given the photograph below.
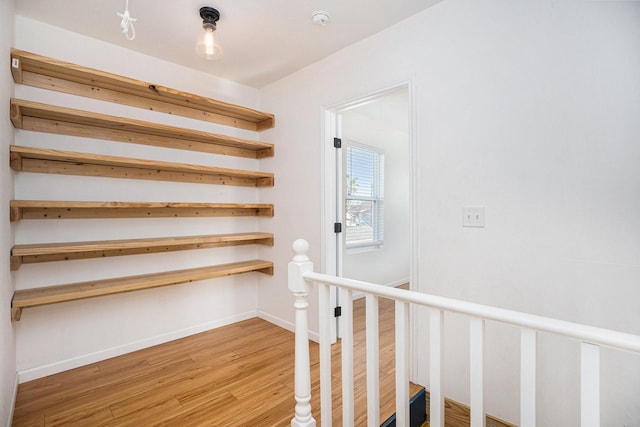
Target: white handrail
x=586 y=333
x=301 y=279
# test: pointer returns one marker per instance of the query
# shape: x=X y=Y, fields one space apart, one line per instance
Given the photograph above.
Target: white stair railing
x=301 y=280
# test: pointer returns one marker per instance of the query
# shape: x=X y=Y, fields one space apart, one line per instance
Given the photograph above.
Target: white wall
x=62 y=336
x=388 y=265
x=7 y=336
x=530 y=109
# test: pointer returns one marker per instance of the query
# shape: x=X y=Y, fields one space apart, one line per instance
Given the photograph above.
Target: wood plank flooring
x=237 y=375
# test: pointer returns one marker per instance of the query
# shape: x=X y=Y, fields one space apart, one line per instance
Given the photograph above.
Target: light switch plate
x=473 y=216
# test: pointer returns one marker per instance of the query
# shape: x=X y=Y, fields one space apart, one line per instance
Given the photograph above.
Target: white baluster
x=476 y=357
x=528 y=378
x=373 y=362
x=326 y=316
x=402 y=363
x=300 y=289
x=590 y=386
x=436 y=407
x=348 y=405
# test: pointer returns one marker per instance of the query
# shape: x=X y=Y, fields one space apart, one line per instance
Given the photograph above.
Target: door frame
x=332 y=243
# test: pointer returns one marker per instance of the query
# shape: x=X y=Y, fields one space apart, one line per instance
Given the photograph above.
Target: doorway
x=368 y=190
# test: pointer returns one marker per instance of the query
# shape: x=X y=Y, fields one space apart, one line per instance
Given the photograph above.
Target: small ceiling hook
x=127 y=23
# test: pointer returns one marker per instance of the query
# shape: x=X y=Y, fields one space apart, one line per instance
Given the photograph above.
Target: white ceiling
x=262 y=40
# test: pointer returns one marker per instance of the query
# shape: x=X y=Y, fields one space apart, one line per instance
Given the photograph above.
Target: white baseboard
x=86 y=359
x=285 y=324
x=358 y=295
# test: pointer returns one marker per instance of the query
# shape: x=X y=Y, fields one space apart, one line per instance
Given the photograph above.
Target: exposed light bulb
x=208 y=45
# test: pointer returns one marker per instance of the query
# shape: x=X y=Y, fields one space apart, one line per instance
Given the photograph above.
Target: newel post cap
x=299 y=265
x=300 y=249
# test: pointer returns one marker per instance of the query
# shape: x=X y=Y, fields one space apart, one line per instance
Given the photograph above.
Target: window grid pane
x=364 y=213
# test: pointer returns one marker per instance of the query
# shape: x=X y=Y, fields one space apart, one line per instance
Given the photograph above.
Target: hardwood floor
x=238 y=375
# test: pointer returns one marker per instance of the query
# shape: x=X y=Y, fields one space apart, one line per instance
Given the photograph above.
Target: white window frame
x=376 y=197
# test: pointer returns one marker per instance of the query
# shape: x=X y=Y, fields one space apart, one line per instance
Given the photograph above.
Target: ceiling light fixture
x=208 y=45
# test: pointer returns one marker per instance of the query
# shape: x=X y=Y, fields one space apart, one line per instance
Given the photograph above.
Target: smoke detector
x=320 y=17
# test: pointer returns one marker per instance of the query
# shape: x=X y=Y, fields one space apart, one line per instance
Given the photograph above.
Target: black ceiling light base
x=209 y=15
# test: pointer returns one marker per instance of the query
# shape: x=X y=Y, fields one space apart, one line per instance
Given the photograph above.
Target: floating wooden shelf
x=40 y=71
x=37 y=209
x=42 y=160
x=39 y=117
x=76 y=291
x=36 y=253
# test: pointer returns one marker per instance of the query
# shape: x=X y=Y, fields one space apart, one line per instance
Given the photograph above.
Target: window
x=364 y=197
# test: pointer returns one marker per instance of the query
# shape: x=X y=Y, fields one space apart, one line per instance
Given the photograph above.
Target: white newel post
x=300 y=289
